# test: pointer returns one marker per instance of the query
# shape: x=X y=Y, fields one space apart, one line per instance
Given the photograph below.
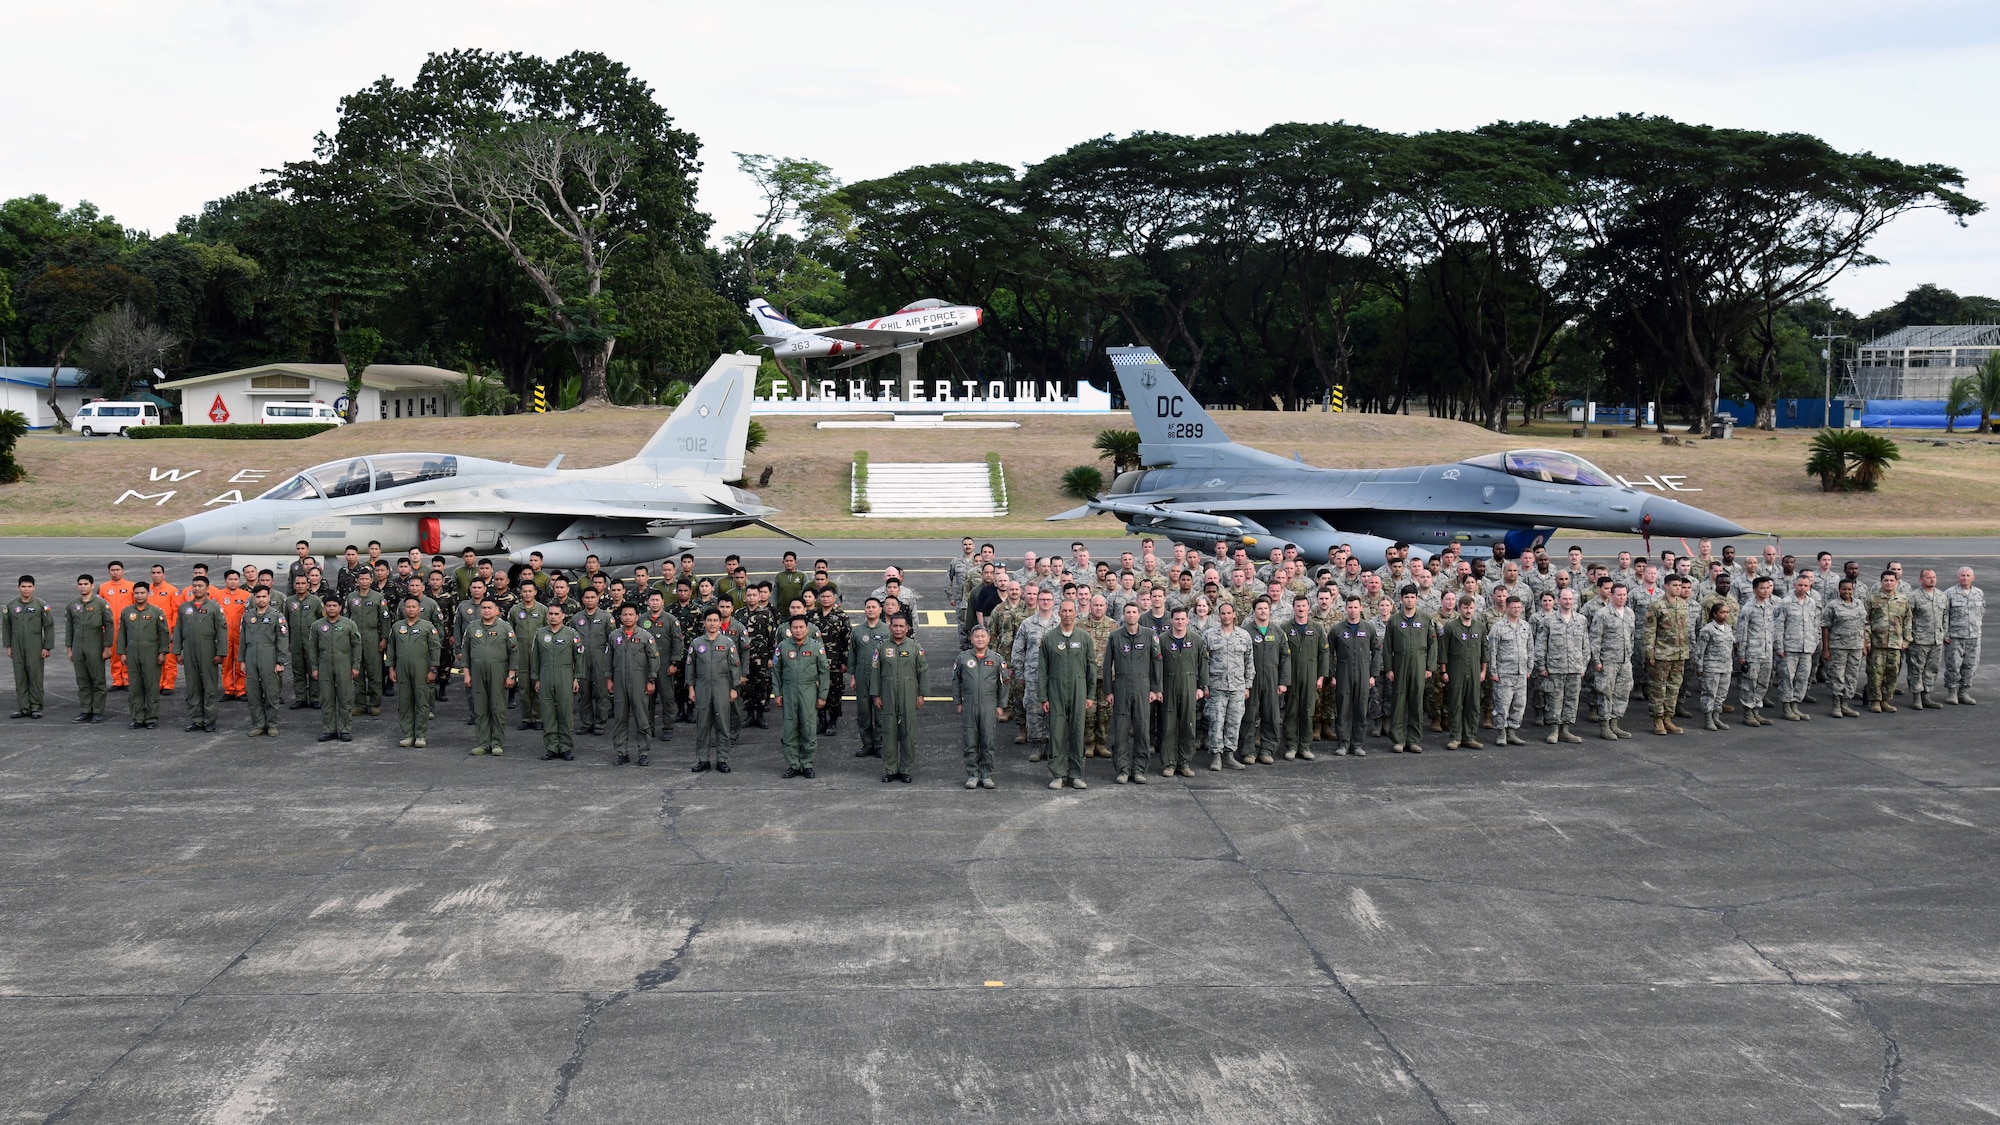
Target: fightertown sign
x=932 y=396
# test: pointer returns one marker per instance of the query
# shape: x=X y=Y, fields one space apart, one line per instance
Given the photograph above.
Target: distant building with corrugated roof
x=1920 y=361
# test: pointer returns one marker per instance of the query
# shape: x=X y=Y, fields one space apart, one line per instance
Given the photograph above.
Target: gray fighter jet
x=635 y=511
x=1200 y=487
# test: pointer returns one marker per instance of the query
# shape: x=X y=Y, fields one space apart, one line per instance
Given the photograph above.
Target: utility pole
x=1826 y=353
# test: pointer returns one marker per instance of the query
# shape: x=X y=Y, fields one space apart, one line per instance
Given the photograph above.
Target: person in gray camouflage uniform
x=1923 y=661
x=1798 y=632
x=1232 y=669
x=1562 y=653
x=1714 y=659
x=1965 y=616
x=1612 y=630
x=1757 y=648
x=1843 y=639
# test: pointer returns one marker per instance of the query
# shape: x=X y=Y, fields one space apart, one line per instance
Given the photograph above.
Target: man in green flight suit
x=144 y=637
x=634 y=677
x=1464 y=659
x=367 y=610
x=528 y=618
x=1183 y=687
x=864 y=640
x=263 y=644
x=976 y=683
x=201 y=640
x=1311 y=664
x=713 y=663
x=800 y=680
x=489 y=675
x=898 y=679
x=88 y=634
x=1409 y=653
x=415 y=643
x=1068 y=668
x=558 y=669
x=1131 y=676
x=337 y=656
x=29 y=632
x=1263 y=712
x=302 y=610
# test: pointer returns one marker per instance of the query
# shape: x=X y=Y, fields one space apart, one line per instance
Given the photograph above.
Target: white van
x=295 y=412
x=114 y=418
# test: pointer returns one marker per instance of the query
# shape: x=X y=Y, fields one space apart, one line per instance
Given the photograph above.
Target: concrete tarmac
x=1791 y=924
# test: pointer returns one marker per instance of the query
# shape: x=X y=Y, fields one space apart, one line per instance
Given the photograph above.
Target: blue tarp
x=1912 y=414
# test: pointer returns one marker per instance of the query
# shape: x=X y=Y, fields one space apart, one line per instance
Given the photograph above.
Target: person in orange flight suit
x=168 y=597
x=233 y=599
x=118 y=592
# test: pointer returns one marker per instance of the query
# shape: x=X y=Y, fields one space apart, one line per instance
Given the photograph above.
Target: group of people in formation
x=1245 y=663
x=1154 y=659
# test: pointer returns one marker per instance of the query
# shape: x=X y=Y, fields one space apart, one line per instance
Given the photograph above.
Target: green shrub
x=276 y=431
x=1121 y=446
x=996 y=479
x=858 y=493
x=1850 y=460
x=13 y=427
x=1083 y=482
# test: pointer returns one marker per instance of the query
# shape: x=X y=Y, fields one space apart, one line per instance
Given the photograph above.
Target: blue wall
x=1793 y=413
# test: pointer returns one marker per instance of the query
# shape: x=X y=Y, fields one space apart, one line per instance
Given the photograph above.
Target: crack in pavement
x=661 y=974
x=1326 y=969
x=63 y=1111
x=1891 y=1089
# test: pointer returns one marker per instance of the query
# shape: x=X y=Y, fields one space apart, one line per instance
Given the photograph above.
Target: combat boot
x=1671 y=728
x=1568 y=733
x=1472 y=744
x=1951 y=695
x=1659 y=724
x=1888 y=708
x=1719 y=724
x=1839 y=712
x=1620 y=728
x=1965 y=697
x=1233 y=761
x=1555 y=736
x=1215 y=766
x=1605 y=732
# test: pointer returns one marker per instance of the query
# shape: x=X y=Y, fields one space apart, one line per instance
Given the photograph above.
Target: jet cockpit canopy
x=356 y=476
x=1550 y=466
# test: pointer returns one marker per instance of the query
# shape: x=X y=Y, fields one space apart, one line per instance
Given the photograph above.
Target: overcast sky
x=150 y=109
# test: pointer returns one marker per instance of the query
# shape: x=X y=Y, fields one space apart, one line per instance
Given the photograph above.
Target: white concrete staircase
x=958 y=490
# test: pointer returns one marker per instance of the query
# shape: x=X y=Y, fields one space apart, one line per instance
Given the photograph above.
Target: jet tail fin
x=704 y=436
x=770 y=322
x=1173 y=427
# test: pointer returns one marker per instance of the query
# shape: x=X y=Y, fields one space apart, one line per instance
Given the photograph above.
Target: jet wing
x=1226 y=500
x=665 y=515
x=871 y=337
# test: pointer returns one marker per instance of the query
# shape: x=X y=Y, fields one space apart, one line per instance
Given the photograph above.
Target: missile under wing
x=644 y=508
x=1199 y=487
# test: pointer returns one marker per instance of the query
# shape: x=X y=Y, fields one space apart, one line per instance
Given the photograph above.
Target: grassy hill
x=1756 y=479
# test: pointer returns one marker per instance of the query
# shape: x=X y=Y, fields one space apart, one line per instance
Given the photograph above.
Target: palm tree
x=1988 y=394
x=1962 y=396
x=13 y=427
x=1850 y=460
x=1122 y=446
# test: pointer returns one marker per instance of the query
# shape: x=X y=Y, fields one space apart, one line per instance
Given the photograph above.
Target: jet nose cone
x=1671 y=517
x=168 y=537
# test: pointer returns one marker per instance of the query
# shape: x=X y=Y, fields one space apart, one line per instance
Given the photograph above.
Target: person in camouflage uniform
x=687 y=613
x=1757 y=648
x=1510 y=664
x=760 y=640
x=1026 y=664
x=830 y=621
x=1328 y=613
x=1924 y=660
x=1100 y=625
x=1667 y=640
x=1890 y=630
x=1004 y=623
x=1714 y=658
x=1965 y=617
x=1843 y=643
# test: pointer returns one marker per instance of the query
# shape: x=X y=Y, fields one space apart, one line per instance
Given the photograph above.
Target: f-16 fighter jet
x=902 y=333
x=1200 y=487
x=645 y=508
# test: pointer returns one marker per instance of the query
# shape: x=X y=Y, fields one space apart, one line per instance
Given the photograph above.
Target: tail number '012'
x=692 y=444
x=1184 y=429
